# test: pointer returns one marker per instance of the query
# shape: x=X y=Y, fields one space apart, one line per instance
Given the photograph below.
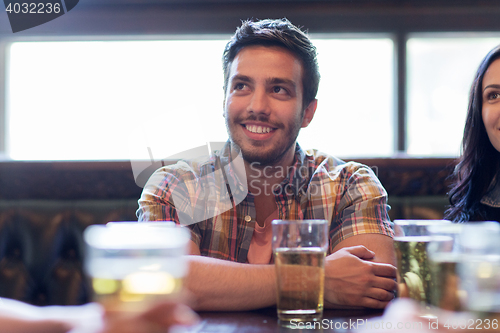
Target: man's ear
x=309 y=113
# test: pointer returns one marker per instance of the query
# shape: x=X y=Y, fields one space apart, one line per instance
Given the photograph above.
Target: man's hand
x=353 y=280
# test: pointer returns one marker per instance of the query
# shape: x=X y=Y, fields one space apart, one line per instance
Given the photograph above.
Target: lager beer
x=415 y=278
x=299 y=248
x=300 y=276
x=414 y=275
x=446 y=281
x=131 y=265
x=136 y=291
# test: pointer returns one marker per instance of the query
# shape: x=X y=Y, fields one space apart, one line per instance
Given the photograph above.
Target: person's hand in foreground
x=19 y=317
x=10 y=324
x=157 y=319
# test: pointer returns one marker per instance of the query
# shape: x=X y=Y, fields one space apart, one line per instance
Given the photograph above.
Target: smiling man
x=263 y=107
x=229 y=199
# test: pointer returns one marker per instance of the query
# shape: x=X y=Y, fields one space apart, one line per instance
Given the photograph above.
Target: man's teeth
x=258 y=129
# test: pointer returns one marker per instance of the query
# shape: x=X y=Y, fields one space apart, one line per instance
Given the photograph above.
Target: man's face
x=263 y=106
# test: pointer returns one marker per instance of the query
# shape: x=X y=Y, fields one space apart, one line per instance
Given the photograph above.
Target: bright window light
x=119 y=100
x=440 y=73
x=355 y=99
x=113 y=100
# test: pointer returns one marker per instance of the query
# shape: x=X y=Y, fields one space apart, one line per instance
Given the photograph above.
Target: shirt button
x=248 y=218
x=241 y=187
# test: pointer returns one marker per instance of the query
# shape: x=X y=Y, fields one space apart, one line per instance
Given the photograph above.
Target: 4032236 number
x=33 y=8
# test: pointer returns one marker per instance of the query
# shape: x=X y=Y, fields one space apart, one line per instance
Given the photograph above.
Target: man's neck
x=263 y=176
x=262 y=181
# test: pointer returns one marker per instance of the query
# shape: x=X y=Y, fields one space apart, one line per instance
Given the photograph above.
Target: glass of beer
x=479 y=269
x=133 y=265
x=299 y=249
x=445 y=254
x=411 y=240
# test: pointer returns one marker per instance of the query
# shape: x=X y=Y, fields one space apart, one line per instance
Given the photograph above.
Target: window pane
x=95 y=100
x=440 y=73
x=355 y=99
x=113 y=100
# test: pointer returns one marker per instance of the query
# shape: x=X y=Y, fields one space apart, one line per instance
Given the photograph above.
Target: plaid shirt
x=208 y=197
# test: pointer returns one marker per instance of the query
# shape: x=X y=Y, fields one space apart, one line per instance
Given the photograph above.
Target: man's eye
x=279 y=90
x=239 y=86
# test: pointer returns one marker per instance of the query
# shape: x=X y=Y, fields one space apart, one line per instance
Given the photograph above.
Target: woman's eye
x=494 y=95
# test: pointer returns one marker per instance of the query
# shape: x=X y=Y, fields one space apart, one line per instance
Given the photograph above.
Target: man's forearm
x=225 y=285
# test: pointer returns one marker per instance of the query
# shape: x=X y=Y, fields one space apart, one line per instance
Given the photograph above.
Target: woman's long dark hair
x=479 y=161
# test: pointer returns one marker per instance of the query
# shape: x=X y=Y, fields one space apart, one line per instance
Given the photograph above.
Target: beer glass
x=132 y=265
x=299 y=249
x=411 y=239
x=479 y=269
x=445 y=254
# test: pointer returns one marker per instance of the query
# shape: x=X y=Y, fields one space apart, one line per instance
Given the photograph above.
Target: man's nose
x=259 y=103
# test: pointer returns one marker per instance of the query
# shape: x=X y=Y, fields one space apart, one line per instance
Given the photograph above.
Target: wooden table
x=266 y=321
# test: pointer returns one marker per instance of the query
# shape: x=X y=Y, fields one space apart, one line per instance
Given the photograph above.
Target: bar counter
x=266 y=321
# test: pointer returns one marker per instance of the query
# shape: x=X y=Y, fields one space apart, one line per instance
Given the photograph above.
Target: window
x=112 y=100
x=130 y=99
x=440 y=73
x=95 y=100
x=355 y=99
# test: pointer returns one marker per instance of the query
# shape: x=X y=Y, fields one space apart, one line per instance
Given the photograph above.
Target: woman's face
x=491 y=103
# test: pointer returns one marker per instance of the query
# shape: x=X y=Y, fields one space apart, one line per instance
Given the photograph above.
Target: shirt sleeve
x=166 y=197
x=361 y=205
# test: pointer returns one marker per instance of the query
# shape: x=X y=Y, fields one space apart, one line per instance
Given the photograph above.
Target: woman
x=475 y=195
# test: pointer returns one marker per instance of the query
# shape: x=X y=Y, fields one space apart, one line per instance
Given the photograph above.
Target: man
x=229 y=200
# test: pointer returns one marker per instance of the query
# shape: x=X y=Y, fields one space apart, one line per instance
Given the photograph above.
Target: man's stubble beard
x=273 y=156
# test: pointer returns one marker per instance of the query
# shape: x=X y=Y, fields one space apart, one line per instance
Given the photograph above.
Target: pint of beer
x=299 y=255
x=411 y=243
x=445 y=255
x=132 y=265
x=479 y=269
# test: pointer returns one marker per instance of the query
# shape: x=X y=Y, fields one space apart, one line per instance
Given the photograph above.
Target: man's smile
x=258 y=131
x=258 y=128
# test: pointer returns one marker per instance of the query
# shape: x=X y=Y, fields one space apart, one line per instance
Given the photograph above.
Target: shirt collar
x=237 y=187
x=295 y=182
x=297 y=179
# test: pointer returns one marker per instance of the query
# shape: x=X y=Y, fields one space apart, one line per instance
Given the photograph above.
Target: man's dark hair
x=280 y=33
